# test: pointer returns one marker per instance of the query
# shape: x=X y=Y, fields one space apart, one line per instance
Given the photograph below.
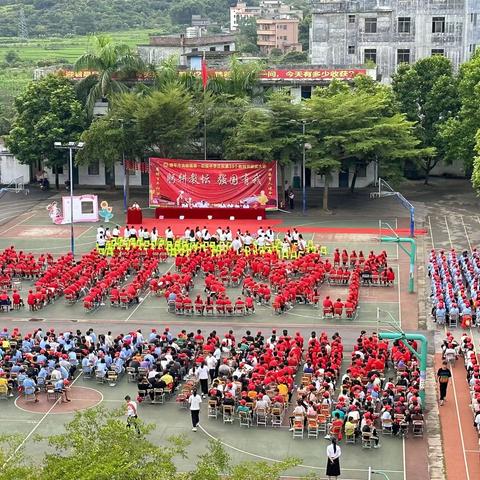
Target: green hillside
x=79 y=17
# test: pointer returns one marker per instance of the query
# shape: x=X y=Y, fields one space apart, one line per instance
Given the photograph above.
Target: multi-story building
x=267 y=8
x=390 y=32
x=242 y=12
x=164 y=46
x=278 y=33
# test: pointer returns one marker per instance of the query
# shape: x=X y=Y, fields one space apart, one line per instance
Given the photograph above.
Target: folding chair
x=367 y=441
x=350 y=437
x=312 y=427
x=277 y=417
x=245 y=419
x=3 y=392
x=212 y=409
x=387 y=427
x=227 y=414
x=158 y=396
x=298 y=428
x=132 y=375
x=261 y=415
x=322 y=423
x=417 y=428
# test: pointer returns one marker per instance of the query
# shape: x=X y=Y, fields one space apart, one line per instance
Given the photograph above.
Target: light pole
x=306 y=146
x=70 y=146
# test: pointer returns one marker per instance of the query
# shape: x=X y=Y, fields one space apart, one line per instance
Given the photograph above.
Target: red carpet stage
x=179 y=226
x=204 y=213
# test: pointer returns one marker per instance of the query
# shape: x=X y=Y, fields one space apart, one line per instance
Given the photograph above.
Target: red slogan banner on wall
x=213 y=183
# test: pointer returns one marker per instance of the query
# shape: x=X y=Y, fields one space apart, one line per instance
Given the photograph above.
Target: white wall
x=10 y=169
x=135 y=179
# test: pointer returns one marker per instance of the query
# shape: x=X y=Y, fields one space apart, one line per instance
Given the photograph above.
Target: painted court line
x=448 y=232
x=34 y=429
x=145 y=297
x=431 y=231
x=18 y=223
x=466 y=233
x=274 y=460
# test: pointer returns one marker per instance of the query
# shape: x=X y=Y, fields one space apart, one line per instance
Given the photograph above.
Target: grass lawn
x=61 y=50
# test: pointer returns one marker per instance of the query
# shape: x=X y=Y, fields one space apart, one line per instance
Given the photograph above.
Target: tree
x=46 y=112
x=353 y=127
x=247 y=36
x=427 y=93
x=458 y=133
x=111 y=63
x=166 y=120
x=102 y=437
x=295 y=58
x=476 y=164
x=252 y=138
x=286 y=130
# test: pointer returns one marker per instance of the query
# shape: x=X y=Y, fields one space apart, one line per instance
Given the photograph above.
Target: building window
x=94 y=168
x=361 y=171
x=438 y=25
x=438 y=51
x=194 y=49
x=370 y=25
x=473 y=47
x=404 y=24
x=351 y=49
x=351 y=19
x=59 y=170
x=284 y=27
x=370 y=55
x=403 y=55
x=212 y=49
x=473 y=18
x=226 y=48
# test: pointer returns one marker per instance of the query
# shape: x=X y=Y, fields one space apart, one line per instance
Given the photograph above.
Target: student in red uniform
x=17 y=300
x=327 y=306
x=338 y=307
x=31 y=300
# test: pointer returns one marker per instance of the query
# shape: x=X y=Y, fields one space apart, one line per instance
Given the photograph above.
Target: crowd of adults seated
x=248 y=377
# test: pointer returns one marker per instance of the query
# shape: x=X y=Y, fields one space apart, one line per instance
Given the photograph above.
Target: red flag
x=204 y=72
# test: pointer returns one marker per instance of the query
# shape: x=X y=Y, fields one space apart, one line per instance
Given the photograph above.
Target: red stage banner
x=317 y=74
x=199 y=183
x=311 y=74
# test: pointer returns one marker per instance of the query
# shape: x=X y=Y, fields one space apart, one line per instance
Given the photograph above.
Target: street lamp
x=70 y=146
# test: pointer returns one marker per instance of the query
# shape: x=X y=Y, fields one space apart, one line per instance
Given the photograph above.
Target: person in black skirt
x=333 y=461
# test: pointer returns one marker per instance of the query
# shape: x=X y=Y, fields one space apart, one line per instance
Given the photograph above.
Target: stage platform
x=210 y=213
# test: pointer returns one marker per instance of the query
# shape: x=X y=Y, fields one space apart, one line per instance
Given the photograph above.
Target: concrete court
x=31 y=230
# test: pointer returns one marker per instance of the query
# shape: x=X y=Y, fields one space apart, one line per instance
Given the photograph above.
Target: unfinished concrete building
x=390 y=32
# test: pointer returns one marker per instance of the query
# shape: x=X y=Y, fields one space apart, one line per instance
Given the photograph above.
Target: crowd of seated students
x=254 y=374
x=454 y=287
x=112 y=283
x=296 y=281
x=20 y=264
x=369 y=401
x=349 y=307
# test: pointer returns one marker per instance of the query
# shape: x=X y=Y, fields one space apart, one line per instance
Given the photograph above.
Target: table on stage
x=215 y=212
x=134 y=215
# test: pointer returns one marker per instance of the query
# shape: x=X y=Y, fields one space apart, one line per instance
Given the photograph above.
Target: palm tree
x=110 y=64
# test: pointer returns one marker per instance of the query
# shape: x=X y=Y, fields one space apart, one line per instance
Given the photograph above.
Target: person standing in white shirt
x=126 y=232
x=203 y=377
x=195 y=400
x=187 y=234
x=116 y=231
x=169 y=234
x=333 y=460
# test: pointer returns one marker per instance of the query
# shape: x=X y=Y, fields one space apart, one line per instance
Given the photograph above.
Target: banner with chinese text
x=199 y=183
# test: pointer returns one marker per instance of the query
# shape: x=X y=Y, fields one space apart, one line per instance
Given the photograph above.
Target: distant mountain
x=63 y=17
